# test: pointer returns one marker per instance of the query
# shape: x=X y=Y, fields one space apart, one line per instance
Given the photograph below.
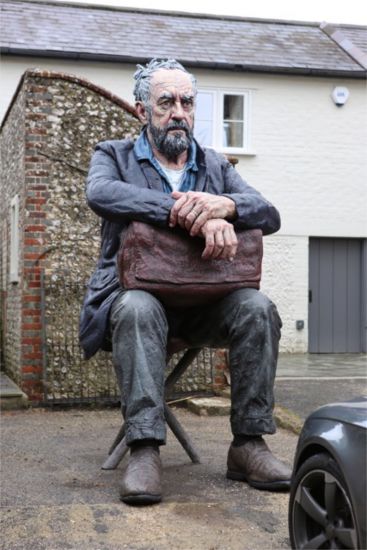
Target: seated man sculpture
x=165 y=178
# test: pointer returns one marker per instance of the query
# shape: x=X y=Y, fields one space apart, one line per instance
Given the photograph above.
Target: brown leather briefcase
x=168 y=264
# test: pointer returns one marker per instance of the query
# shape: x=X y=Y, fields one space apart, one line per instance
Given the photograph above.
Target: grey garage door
x=336 y=295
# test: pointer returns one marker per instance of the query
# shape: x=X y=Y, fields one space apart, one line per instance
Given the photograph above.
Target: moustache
x=178 y=126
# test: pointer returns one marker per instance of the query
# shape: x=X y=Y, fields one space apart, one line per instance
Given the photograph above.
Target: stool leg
x=114 y=459
x=181 y=435
x=118 y=438
x=119 y=448
x=180 y=368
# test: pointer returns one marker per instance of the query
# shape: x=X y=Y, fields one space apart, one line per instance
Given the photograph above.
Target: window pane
x=204 y=132
x=232 y=134
x=233 y=107
x=204 y=106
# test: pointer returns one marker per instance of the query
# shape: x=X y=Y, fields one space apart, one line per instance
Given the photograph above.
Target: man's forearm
x=193 y=209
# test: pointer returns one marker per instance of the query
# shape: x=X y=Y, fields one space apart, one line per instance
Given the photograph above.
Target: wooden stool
x=119 y=447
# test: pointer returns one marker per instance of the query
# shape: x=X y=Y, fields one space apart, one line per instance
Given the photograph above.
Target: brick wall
x=37 y=172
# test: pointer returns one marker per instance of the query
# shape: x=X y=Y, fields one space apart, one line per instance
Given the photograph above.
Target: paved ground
x=302 y=397
x=55 y=496
x=305 y=382
x=323 y=365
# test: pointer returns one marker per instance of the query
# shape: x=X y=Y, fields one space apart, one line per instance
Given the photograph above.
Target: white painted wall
x=285 y=282
x=310 y=161
x=115 y=77
x=310 y=155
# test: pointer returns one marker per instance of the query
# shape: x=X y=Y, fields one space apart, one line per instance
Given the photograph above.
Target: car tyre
x=320 y=510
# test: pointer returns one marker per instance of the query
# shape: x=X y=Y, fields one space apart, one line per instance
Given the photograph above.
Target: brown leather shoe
x=254 y=462
x=141 y=481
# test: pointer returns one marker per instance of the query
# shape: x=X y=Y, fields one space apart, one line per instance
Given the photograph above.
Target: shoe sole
x=280 y=485
x=141 y=500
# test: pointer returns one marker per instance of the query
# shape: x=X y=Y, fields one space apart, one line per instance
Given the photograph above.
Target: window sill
x=237 y=152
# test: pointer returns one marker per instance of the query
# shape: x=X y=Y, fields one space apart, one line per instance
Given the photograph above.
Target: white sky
x=332 y=11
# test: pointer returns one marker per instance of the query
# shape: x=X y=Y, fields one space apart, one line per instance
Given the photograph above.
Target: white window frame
x=14 y=240
x=217 y=118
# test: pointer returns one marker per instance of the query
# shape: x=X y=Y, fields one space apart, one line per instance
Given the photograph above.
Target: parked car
x=327 y=506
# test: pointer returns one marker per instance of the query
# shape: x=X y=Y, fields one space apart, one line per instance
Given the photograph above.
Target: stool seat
x=175 y=345
x=119 y=447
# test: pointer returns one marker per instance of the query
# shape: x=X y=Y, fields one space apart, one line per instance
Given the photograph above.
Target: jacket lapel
x=202 y=179
x=142 y=174
x=152 y=179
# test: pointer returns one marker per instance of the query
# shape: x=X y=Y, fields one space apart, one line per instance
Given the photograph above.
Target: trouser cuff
x=254 y=426
x=135 y=434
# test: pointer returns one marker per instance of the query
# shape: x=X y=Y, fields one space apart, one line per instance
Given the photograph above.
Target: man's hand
x=193 y=209
x=220 y=240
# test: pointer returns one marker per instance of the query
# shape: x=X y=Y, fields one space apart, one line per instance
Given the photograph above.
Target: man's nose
x=177 y=110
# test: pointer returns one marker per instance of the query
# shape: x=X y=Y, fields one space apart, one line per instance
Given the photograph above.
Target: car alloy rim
x=322 y=514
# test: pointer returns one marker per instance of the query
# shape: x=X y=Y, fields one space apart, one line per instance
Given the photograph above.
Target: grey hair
x=143 y=76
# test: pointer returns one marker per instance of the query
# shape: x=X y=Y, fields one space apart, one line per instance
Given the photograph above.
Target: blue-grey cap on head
x=143 y=76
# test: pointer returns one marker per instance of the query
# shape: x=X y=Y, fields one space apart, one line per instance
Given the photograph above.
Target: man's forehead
x=170 y=80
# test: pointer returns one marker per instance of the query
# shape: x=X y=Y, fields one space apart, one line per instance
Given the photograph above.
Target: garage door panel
x=340 y=296
x=314 y=295
x=326 y=295
x=336 y=291
x=354 y=297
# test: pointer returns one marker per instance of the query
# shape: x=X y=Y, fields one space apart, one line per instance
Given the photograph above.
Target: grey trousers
x=246 y=322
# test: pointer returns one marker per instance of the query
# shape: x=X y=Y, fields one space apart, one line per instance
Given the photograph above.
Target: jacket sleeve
x=253 y=210
x=116 y=200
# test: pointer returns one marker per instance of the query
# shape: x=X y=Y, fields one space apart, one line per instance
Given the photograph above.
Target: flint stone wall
x=58 y=119
x=12 y=146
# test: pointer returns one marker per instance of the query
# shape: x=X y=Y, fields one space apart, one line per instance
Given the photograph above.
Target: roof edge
x=84 y=82
x=167 y=12
x=345 y=44
x=184 y=13
x=269 y=69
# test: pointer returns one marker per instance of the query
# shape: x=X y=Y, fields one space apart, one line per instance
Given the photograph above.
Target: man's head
x=165 y=100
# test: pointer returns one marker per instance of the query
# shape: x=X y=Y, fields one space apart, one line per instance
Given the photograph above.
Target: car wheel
x=320 y=511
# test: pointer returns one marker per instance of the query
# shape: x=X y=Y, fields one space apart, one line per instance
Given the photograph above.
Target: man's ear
x=141 y=112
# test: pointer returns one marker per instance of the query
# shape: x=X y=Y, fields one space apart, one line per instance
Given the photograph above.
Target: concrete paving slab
x=55 y=495
x=304 y=396
x=307 y=381
x=11 y=396
x=323 y=365
x=8 y=388
x=209 y=406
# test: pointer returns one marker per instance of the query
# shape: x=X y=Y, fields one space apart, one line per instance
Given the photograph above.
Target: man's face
x=170 y=113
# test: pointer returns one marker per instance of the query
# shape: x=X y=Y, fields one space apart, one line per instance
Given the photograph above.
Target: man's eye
x=187 y=103
x=165 y=104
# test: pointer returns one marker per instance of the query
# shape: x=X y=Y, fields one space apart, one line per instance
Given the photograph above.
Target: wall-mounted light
x=340 y=95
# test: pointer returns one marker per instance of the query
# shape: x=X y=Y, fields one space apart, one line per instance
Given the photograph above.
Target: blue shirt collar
x=143 y=151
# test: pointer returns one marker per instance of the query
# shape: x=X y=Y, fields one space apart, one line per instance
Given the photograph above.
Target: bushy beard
x=171 y=144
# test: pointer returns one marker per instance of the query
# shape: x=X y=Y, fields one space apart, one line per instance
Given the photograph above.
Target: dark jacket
x=121 y=189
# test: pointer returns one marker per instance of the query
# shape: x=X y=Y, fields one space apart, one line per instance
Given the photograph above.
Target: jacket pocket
x=102 y=278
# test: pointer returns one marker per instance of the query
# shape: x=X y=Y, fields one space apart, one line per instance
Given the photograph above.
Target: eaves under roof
x=83 y=31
